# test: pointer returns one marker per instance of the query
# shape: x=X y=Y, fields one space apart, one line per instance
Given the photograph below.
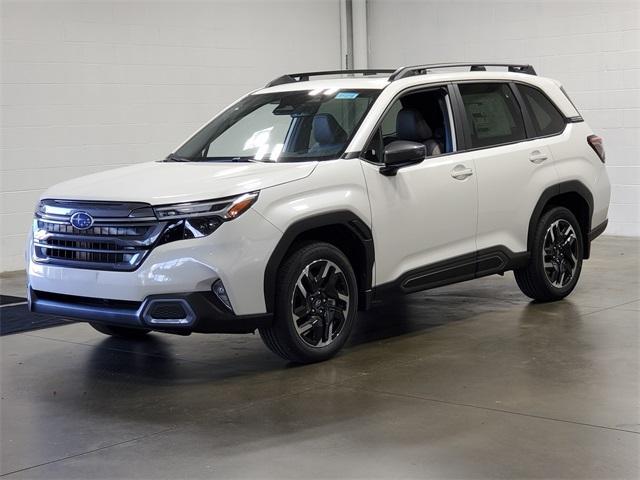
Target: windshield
x=281 y=127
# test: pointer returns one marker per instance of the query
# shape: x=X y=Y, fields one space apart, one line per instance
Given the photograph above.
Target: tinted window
x=428 y=123
x=544 y=115
x=389 y=123
x=493 y=114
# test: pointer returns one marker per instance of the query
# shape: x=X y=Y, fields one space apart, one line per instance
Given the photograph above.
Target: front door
x=424 y=217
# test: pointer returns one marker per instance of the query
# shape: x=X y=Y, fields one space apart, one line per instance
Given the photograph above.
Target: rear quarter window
x=546 y=118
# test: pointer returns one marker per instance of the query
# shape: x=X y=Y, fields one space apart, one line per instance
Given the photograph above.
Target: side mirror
x=400 y=154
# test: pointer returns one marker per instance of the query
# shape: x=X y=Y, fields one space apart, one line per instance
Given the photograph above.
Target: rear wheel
x=316 y=304
x=122 y=332
x=556 y=257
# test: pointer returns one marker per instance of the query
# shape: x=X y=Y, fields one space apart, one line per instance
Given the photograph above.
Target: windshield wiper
x=172 y=157
x=226 y=159
x=243 y=159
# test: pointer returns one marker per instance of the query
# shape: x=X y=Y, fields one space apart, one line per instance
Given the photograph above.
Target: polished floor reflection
x=467 y=381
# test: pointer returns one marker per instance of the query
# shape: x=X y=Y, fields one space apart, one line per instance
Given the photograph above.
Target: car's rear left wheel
x=556 y=257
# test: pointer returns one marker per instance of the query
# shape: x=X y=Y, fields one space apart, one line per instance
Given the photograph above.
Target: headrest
x=327 y=130
x=410 y=125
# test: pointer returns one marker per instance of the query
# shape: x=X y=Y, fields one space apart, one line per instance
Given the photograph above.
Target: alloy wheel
x=560 y=253
x=320 y=303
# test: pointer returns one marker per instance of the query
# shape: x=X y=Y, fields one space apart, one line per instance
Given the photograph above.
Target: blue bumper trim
x=129 y=317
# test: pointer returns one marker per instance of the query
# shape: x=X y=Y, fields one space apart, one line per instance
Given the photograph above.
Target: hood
x=160 y=183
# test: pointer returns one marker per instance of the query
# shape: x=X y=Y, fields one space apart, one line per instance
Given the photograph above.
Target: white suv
x=306 y=201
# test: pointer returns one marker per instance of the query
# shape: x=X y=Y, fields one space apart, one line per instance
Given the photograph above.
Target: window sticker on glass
x=489 y=114
x=346 y=95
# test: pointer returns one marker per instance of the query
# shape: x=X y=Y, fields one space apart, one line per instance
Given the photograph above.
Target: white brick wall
x=88 y=86
x=93 y=85
x=593 y=48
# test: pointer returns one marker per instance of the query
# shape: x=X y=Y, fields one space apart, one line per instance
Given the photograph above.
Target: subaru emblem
x=81 y=220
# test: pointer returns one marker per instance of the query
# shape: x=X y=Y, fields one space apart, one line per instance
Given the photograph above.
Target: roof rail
x=303 y=77
x=404 y=72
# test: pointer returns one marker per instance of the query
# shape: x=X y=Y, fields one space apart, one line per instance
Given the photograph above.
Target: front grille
x=121 y=236
x=97 y=252
x=97 y=231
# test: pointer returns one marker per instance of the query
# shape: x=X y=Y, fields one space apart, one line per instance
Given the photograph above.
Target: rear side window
x=546 y=118
x=493 y=114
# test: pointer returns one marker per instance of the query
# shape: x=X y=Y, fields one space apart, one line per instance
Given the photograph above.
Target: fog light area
x=221 y=293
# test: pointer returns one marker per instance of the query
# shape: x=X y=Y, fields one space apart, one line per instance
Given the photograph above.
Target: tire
x=121 y=332
x=325 y=315
x=556 y=257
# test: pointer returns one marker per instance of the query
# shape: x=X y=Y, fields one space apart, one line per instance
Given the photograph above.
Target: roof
x=380 y=82
x=382 y=77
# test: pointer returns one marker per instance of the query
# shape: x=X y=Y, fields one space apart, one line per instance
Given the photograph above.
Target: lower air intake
x=168 y=312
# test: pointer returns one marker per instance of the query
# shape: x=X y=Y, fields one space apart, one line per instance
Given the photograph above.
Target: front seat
x=411 y=126
x=330 y=137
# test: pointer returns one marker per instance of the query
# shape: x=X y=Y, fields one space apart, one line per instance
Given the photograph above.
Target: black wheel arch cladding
x=350 y=234
x=573 y=195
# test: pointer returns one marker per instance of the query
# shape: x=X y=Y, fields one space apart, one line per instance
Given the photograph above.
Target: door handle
x=537 y=157
x=460 y=172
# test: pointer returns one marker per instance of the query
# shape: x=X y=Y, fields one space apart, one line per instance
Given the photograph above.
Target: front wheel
x=556 y=257
x=315 y=306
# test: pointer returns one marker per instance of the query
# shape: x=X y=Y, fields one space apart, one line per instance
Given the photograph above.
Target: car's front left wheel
x=316 y=304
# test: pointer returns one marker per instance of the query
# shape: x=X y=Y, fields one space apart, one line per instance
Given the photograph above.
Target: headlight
x=227 y=208
x=199 y=219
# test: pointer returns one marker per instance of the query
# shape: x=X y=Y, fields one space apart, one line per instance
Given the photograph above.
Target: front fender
x=335 y=194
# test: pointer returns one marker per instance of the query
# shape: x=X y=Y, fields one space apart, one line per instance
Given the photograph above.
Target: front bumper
x=204 y=313
x=236 y=253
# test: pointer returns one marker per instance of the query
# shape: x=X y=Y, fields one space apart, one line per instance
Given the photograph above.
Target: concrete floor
x=467 y=381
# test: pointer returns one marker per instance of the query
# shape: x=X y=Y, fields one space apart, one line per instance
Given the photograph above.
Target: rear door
x=512 y=168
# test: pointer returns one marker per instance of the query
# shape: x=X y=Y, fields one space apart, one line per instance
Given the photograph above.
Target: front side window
x=546 y=118
x=282 y=127
x=493 y=114
x=419 y=116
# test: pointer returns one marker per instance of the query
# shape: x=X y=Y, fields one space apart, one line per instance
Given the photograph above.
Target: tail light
x=596 y=143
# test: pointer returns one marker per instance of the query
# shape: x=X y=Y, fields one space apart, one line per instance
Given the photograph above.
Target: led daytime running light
x=226 y=209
